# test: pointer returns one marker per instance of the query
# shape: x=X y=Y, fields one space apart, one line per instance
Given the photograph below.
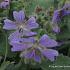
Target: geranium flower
x=4 y=3
x=34 y=49
x=21 y=25
x=58 y=15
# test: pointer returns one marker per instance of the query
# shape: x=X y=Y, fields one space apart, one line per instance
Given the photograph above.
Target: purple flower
x=20 y=24
x=31 y=55
x=58 y=14
x=56 y=19
x=46 y=42
x=4 y=4
x=35 y=49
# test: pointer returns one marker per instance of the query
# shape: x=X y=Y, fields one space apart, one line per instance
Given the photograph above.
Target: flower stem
x=6 y=51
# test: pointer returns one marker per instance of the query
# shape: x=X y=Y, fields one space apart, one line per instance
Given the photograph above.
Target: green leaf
x=62 y=61
x=4 y=45
x=10 y=67
x=68 y=22
x=45 y=65
x=19 y=66
x=63 y=36
x=4 y=65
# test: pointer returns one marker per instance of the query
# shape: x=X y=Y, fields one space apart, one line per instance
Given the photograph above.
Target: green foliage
x=4 y=65
x=4 y=46
x=58 y=64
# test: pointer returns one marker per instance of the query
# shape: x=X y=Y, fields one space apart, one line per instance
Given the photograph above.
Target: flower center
x=38 y=46
x=22 y=26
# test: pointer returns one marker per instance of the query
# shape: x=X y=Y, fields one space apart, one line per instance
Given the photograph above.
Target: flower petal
x=66 y=6
x=9 y=25
x=4 y=4
x=28 y=40
x=46 y=41
x=18 y=37
x=22 y=34
x=23 y=40
x=15 y=36
x=50 y=54
x=56 y=17
x=27 y=54
x=37 y=58
x=55 y=28
x=29 y=33
x=19 y=16
x=19 y=46
x=32 y=23
x=67 y=12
